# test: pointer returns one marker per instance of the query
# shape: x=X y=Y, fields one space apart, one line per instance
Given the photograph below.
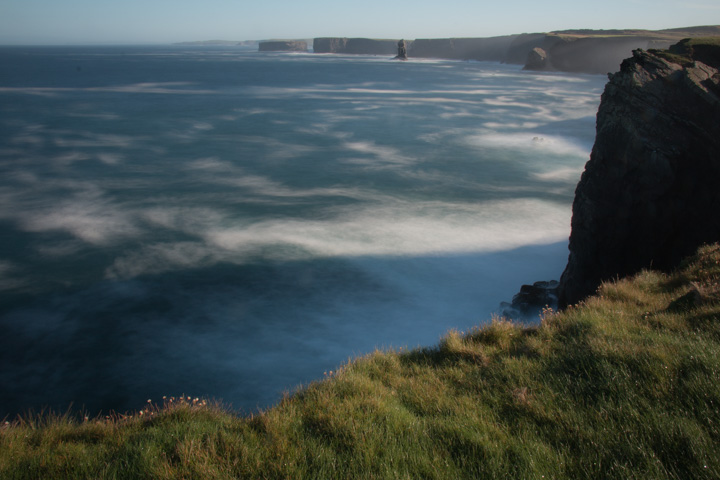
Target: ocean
x=228 y=224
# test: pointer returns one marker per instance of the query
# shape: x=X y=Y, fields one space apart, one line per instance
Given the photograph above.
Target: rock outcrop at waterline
x=537 y=59
x=402 y=51
x=531 y=300
x=650 y=194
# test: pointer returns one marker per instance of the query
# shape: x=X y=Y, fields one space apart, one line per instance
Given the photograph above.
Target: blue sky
x=167 y=21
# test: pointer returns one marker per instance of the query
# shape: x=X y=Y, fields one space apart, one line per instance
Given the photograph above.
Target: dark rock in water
x=649 y=195
x=402 y=51
x=531 y=300
x=537 y=59
x=283 y=46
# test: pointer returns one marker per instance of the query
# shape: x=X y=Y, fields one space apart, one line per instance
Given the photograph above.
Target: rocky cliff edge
x=650 y=194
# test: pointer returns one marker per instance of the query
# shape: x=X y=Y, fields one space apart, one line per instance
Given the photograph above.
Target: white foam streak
x=528 y=141
x=413 y=230
x=159 y=258
x=390 y=228
x=561 y=174
x=86 y=216
x=224 y=173
x=555 y=79
x=189 y=220
x=511 y=125
x=382 y=155
x=110 y=158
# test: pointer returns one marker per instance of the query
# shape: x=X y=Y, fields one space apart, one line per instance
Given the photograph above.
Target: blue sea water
x=225 y=223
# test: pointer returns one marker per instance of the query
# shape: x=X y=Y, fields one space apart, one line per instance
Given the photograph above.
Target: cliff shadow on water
x=243 y=333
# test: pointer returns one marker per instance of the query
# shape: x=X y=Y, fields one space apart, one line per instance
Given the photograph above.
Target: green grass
x=705 y=49
x=683 y=59
x=708 y=41
x=625 y=385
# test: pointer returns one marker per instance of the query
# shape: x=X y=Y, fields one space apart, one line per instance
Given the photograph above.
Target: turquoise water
x=218 y=222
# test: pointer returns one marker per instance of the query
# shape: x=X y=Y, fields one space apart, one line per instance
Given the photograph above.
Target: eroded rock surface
x=650 y=194
x=537 y=59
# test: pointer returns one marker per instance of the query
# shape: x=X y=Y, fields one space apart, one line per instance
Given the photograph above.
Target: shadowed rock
x=355 y=46
x=531 y=299
x=537 y=59
x=283 y=46
x=402 y=51
x=649 y=195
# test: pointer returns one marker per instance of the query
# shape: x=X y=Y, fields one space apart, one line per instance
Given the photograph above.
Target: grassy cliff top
x=624 y=385
x=704 y=49
x=669 y=34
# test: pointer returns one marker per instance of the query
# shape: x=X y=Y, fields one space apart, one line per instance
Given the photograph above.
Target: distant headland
x=283 y=46
x=579 y=51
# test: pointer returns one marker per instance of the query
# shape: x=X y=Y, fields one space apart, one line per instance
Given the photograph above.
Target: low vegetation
x=625 y=385
x=704 y=49
x=673 y=35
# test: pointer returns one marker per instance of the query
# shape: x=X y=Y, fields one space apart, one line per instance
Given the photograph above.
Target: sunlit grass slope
x=626 y=385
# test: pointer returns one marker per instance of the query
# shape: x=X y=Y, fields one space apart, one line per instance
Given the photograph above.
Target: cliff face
x=484 y=49
x=283 y=46
x=582 y=51
x=593 y=54
x=602 y=51
x=508 y=49
x=596 y=54
x=355 y=46
x=650 y=193
x=564 y=53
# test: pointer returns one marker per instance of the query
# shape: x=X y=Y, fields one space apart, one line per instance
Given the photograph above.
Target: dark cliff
x=508 y=48
x=650 y=194
x=601 y=51
x=497 y=49
x=283 y=46
x=596 y=54
x=581 y=51
x=355 y=46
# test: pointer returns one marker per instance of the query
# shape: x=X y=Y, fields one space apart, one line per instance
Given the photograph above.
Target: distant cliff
x=591 y=54
x=283 y=46
x=602 y=51
x=356 y=46
x=508 y=48
x=650 y=193
x=581 y=51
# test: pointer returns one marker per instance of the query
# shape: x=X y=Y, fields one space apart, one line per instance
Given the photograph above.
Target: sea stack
x=650 y=193
x=402 y=51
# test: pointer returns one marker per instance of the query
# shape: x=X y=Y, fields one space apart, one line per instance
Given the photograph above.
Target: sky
x=169 y=21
